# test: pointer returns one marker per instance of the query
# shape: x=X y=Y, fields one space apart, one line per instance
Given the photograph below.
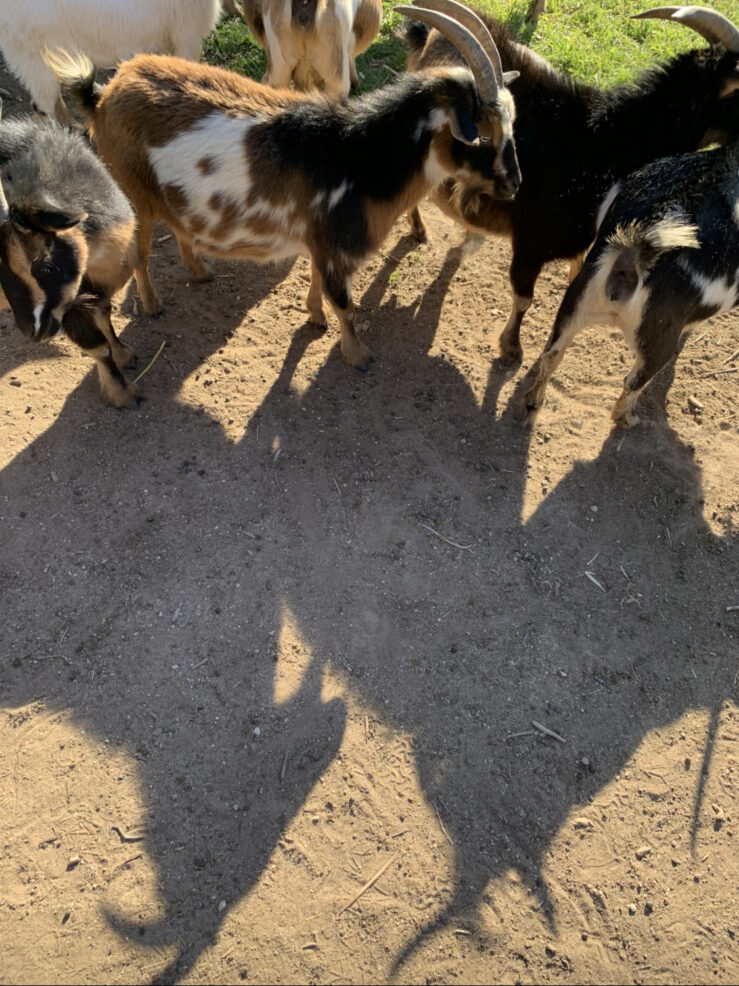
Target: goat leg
x=338 y=287
x=418 y=227
x=524 y=272
x=81 y=325
x=573 y=315
x=656 y=342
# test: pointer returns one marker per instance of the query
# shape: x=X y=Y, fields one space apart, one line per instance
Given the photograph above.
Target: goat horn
x=467 y=44
x=474 y=24
x=711 y=25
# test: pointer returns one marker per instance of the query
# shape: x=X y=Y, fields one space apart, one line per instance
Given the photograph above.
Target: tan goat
x=313 y=43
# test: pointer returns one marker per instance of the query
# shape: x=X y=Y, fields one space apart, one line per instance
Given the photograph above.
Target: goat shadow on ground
x=179 y=520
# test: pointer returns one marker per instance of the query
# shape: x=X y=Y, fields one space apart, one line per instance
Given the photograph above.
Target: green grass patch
x=593 y=40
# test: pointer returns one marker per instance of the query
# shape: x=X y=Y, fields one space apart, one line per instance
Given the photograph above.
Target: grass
x=592 y=39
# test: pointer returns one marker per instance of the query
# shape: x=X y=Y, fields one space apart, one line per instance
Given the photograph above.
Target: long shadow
x=209 y=542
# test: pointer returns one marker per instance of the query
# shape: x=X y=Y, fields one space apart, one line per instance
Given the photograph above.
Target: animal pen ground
x=274 y=644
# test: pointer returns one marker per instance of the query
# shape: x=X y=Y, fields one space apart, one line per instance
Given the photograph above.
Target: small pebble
x=643 y=851
x=632 y=908
x=256 y=731
x=222 y=905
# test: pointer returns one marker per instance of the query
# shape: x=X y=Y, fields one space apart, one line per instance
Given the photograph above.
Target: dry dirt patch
x=287 y=626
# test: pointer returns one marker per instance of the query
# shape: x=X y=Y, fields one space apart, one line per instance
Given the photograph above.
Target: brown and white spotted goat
x=67 y=244
x=239 y=170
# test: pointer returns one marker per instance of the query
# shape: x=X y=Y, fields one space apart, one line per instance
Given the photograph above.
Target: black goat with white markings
x=666 y=256
x=574 y=141
x=66 y=244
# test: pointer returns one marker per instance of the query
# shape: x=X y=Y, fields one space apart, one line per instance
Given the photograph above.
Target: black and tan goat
x=666 y=256
x=239 y=170
x=67 y=244
x=574 y=141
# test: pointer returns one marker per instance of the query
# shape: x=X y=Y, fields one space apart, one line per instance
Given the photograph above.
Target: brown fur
x=153 y=100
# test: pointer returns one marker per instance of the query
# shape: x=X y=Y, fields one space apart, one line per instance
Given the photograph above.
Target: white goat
x=107 y=31
x=313 y=43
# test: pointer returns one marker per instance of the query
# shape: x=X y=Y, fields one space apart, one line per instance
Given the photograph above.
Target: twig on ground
x=525 y=732
x=151 y=362
x=547 y=731
x=595 y=581
x=370 y=883
x=454 y=544
x=446 y=834
x=125 y=836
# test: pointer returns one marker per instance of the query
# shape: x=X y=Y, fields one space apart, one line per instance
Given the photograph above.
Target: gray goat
x=666 y=256
x=66 y=244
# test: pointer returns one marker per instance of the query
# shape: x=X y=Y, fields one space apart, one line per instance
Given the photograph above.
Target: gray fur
x=47 y=163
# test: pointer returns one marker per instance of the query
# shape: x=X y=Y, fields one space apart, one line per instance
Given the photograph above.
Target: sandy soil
x=278 y=638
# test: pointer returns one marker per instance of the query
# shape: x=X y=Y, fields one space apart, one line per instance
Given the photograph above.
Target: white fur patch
x=433 y=172
x=37 y=317
x=338 y=193
x=606 y=204
x=222 y=140
x=595 y=308
x=435 y=121
x=716 y=291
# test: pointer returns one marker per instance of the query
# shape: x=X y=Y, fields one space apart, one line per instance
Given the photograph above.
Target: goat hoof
x=511 y=357
x=628 y=420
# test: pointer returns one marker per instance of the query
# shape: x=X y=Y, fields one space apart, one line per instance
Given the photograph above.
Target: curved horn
x=711 y=25
x=467 y=44
x=474 y=24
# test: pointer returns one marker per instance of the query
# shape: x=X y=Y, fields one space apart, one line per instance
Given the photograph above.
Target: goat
x=574 y=141
x=107 y=31
x=239 y=170
x=666 y=256
x=66 y=244
x=313 y=43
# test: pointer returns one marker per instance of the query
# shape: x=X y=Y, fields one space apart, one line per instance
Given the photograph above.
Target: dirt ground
x=273 y=646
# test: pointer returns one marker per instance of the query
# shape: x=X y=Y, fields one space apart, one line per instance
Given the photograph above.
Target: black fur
x=574 y=141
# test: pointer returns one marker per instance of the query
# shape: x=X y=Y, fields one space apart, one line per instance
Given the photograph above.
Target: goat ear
x=463 y=126
x=509 y=77
x=53 y=220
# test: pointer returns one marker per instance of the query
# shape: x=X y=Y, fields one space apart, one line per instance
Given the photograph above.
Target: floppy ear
x=47 y=220
x=463 y=126
x=53 y=220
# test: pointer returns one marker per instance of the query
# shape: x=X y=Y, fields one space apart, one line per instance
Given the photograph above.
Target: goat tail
x=75 y=74
x=672 y=232
x=415 y=35
x=631 y=251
